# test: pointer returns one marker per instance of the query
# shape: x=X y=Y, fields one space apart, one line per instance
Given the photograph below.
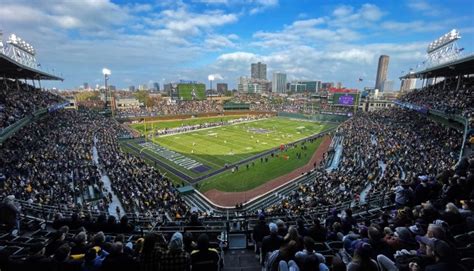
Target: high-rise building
x=279 y=82
x=327 y=85
x=143 y=87
x=407 y=84
x=243 y=84
x=339 y=85
x=86 y=85
x=156 y=86
x=222 y=87
x=297 y=87
x=382 y=72
x=258 y=71
x=131 y=88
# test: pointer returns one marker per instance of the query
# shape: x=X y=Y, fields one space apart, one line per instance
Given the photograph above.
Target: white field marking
x=215 y=127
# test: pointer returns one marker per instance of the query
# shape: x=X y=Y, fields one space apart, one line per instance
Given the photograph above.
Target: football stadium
x=246 y=155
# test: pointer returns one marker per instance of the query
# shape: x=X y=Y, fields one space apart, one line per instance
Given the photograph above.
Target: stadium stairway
x=241 y=260
x=196 y=201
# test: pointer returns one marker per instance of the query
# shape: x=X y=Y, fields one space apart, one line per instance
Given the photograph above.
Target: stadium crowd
x=431 y=229
x=444 y=96
x=164 y=107
x=384 y=149
x=140 y=187
x=51 y=162
x=17 y=103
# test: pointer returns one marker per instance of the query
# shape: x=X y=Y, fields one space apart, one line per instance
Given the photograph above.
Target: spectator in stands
x=308 y=259
x=93 y=259
x=302 y=231
x=57 y=241
x=317 y=231
x=205 y=258
x=36 y=259
x=79 y=245
x=361 y=260
x=117 y=259
x=10 y=214
x=293 y=235
x=175 y=258
x=403 y=194
x=62 y=259
x=282 y=229
x=151 y=253
x=259 y=232
x=348 y=222
x=271 y=242
x=283 y=259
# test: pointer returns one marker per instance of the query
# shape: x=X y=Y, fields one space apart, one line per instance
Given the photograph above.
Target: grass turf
x=245 y=179
x=216 y=147
x=162 y=124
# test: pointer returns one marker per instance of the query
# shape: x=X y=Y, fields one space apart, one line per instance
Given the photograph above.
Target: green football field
x=216 y=147
x=162 y=124
x=258 y=172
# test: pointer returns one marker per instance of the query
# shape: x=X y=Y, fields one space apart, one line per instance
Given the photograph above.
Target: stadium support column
x=105 y=90
x=459 y=82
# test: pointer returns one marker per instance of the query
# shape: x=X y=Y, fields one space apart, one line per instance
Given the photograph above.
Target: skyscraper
x=382 y=72
x=279 y=82
x=258 y=71
x=222 y=87
x=156 y=86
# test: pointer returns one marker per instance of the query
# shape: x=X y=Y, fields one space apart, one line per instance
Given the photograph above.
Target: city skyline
x=170 y=40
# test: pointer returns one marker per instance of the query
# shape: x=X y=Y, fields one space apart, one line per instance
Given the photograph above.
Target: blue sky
x=164 y=41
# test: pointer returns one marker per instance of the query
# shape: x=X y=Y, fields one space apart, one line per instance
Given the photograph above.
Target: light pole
x=211 y=78
x=106 y=72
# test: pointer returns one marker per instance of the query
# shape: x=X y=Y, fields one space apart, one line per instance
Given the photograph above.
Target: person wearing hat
x=271 y=242
x=442 y=252
x=175 y=258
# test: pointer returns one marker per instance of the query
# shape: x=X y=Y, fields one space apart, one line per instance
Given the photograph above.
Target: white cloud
x=424 y=7
x=413 y=26
x=262 y=5
x=349 y=17
x=219 y=42
x=238 y=56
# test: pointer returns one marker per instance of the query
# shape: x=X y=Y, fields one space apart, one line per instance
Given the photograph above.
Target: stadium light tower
x=106 y=72
x=211 y=78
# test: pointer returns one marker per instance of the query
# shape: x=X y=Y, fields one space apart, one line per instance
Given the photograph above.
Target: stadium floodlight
x=444 y=40
x=106 y=72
